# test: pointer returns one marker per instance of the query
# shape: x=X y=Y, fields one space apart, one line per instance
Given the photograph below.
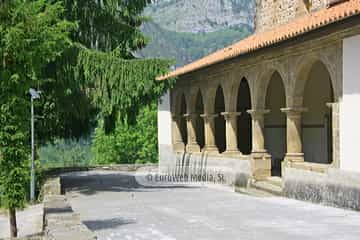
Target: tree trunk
x=13 y=227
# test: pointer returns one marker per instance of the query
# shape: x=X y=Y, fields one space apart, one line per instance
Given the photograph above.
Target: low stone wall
x=334 y=187
x=117 y=167
x=60 y=221
x=236 y=171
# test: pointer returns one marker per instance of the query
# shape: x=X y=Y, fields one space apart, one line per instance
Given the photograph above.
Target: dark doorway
x=199 y=109
x=275 y=123
x=244 y=124
x=220 y=128
x=183 y=126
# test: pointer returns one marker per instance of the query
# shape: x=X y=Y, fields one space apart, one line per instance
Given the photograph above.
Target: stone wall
x=60 y=221
x=235 y=171
x=271 y=13
x=115 y=167
x=334 y=187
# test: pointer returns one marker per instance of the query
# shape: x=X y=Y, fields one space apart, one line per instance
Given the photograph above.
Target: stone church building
x=278 y=111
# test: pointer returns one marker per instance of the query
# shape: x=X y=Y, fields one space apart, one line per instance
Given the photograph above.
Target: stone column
x=231 y=132
x=178 y=144
x=334 y=109
x=209 y=122
x=293 y=134
x=260 y=159
x=192 y=145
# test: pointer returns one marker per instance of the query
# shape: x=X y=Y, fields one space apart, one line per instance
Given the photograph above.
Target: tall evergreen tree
x=100 y=71
x=32 y=34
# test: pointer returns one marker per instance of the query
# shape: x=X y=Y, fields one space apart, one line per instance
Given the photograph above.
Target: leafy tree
x=109 y=32
x=129 y=143
x=99 y=74
x=32 y=34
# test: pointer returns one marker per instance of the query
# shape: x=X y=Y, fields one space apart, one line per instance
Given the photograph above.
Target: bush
x=65 y=153
x=136 y=143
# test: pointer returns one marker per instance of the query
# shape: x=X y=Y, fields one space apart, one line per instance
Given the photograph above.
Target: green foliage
x=65 y=108
x=65 y=153
x=99 y=73
x=70 y=104
x=108 y=25
x=136 y=143
x=120 y=87
x=188 y=47
x=32 y=34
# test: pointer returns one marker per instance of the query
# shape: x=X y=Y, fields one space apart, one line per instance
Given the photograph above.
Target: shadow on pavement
x=96 y=225
x=89 y=183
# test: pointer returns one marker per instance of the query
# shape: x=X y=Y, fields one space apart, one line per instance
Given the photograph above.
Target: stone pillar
x=178 y=144
x=209 y=122
x=231 y=132
x=334 y=107
x=293 y=134
x=260 y=159
x=192 y=145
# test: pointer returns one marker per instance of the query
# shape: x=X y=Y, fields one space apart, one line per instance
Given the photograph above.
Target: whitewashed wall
x=350 y=106
x=164 y=120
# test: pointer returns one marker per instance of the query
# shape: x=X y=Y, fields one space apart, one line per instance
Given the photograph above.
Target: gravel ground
x=115 y=207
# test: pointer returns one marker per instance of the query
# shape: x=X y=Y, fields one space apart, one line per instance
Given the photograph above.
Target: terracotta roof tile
x=278 y=34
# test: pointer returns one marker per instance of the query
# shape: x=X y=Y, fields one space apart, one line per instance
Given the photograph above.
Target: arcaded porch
x=279 y=110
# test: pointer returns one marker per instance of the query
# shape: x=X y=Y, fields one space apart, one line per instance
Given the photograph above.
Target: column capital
x=293 y=112
x=257 y=112
x=228 y=115
x=208 y=116
x=330 y=104
x=189 y=116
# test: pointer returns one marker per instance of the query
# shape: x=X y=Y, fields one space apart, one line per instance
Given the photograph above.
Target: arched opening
x=244 y=125
x=183 y=126
x=317 y=120
x=199 y=109
x=275 y=123
x=220 y=135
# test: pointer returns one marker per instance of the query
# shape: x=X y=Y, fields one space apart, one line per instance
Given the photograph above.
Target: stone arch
x=209 y=97
x=199 y=124
x=250 y=77
x=220 y=124
x=192 y=98
x=315 y=92
x=303 y=66
x=263 y=82
x=275 y=122
x=244 y=123
x=177 y=101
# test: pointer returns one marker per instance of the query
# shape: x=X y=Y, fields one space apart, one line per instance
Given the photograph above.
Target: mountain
x=190 y=29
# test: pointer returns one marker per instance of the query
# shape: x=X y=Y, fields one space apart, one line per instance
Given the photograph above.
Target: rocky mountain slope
x=189 y=29
x=198 y=16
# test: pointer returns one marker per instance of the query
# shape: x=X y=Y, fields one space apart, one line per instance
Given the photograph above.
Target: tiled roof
x=281 y=33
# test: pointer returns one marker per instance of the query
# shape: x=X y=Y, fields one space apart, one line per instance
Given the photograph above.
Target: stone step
x=267 y=187
x=275 y=181
x=252 y=192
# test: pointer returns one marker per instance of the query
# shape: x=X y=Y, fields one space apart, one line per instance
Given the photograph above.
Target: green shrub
x=135 y=143
x=65 y=153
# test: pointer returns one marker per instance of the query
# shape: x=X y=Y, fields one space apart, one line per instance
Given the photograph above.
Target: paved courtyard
x=29 y=222
x=115 y=207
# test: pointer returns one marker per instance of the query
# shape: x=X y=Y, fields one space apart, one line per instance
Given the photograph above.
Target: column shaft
x=178 y=143
x=294 y=134
x=231 y=132
x=260 y=159
x=209 y=122
x=192 y=145
x=258 y=138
